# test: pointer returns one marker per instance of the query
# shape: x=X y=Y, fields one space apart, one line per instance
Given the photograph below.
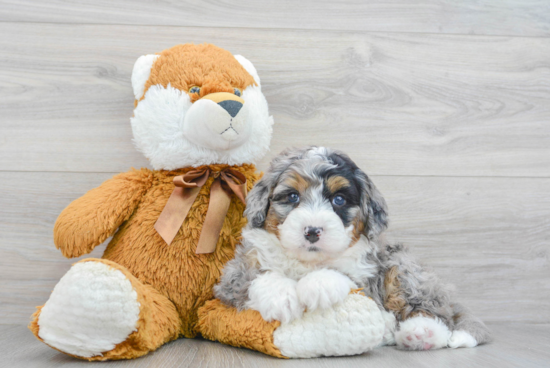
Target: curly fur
x=422 y=304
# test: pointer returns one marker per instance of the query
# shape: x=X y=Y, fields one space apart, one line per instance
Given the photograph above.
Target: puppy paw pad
x=422 y=333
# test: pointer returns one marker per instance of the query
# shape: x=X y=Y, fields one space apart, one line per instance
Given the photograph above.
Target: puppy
x=313 y=234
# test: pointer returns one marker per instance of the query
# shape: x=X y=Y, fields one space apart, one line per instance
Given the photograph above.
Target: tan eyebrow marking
x=297 y=182
x=335 y=183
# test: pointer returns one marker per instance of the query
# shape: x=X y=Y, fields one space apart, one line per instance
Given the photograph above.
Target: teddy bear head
x=199 y=105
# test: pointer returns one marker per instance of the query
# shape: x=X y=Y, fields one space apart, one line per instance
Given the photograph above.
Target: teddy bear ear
x=249 y=67
x=141 y=72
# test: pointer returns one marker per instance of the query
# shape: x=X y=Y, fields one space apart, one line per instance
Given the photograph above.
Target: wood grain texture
x=401 y=104
x=515 y=346
x=487 y=17
x=488 y=236
x=445 y=103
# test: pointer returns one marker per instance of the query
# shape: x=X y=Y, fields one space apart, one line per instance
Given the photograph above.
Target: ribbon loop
x=192 y=179
x=187 y=188
x=236 y=182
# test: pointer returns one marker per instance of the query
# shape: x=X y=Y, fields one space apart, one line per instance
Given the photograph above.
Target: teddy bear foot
x=351 y=327
x=92 y=309
x=96 y=310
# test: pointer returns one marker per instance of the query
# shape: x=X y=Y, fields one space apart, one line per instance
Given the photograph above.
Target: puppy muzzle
x=313 y=233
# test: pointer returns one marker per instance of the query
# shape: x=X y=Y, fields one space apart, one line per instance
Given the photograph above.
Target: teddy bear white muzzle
x=217 y=121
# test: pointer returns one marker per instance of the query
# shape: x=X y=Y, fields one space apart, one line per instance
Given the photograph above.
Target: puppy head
x=317 y=202
x=199 y=105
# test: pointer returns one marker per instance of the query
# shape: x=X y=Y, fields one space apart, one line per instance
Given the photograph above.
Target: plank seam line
x=370 y=174
x=512 y=323
x=283 y=29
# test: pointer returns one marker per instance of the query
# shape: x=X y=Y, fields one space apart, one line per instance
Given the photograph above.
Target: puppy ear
x=374 y=210
x=257 y=200
x=141 y=73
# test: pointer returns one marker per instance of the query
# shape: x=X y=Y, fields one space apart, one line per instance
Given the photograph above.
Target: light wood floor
x=445 y=103
x=518 y=346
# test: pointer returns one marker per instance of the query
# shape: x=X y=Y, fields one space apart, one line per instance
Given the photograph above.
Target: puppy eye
x=293 y=198
x=338 y=201
x=195 y=89
x=237 y=92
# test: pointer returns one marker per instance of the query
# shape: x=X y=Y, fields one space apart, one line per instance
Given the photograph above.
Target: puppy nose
x=312 y=234
x=232 y=107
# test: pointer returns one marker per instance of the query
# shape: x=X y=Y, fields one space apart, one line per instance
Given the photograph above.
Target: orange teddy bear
x=202 y=121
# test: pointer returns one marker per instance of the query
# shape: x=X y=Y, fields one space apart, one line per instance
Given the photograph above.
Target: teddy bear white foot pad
x=352 y=327
x=92 y=308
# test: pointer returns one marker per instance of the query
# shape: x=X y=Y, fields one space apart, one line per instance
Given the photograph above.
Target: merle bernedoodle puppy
x=314 y=228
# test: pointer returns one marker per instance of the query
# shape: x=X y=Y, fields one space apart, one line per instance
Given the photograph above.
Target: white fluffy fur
x=171 y=140
x=275 y=297
x=389 y=332
x=334 y=240
x=321 y=289
x=208 y=124
x=273 y=257
x=91 y=309
x=249 y=67
x=422 y=333
x=322 y=285
x=461 y=339
x=352 y=327
x=141 y=73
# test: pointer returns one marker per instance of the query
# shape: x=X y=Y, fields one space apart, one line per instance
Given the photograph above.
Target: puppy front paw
x=275 y=297
x=323 y=288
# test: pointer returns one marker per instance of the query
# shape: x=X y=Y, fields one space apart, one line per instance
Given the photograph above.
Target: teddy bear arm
x=89 y=220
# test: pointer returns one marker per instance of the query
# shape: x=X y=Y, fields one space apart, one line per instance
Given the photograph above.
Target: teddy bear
x=202 y=121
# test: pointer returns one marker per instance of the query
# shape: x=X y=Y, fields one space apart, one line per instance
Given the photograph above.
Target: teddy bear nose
x=230 y=102
x=232 y=107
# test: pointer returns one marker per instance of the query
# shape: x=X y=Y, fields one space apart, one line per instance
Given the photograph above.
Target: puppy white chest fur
x=288 y=286
x=271 y=256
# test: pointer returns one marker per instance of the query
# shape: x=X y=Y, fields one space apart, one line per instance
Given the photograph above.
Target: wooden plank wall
x=446 y=104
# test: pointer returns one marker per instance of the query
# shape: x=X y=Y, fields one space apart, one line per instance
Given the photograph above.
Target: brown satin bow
x=182 y=198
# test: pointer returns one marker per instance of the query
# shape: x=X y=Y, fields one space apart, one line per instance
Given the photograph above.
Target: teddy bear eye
x=237 y=92
x=338 y=201
x=195 y=89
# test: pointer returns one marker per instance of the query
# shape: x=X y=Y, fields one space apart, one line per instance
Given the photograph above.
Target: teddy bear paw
x=351 y=327
x=92 y=309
